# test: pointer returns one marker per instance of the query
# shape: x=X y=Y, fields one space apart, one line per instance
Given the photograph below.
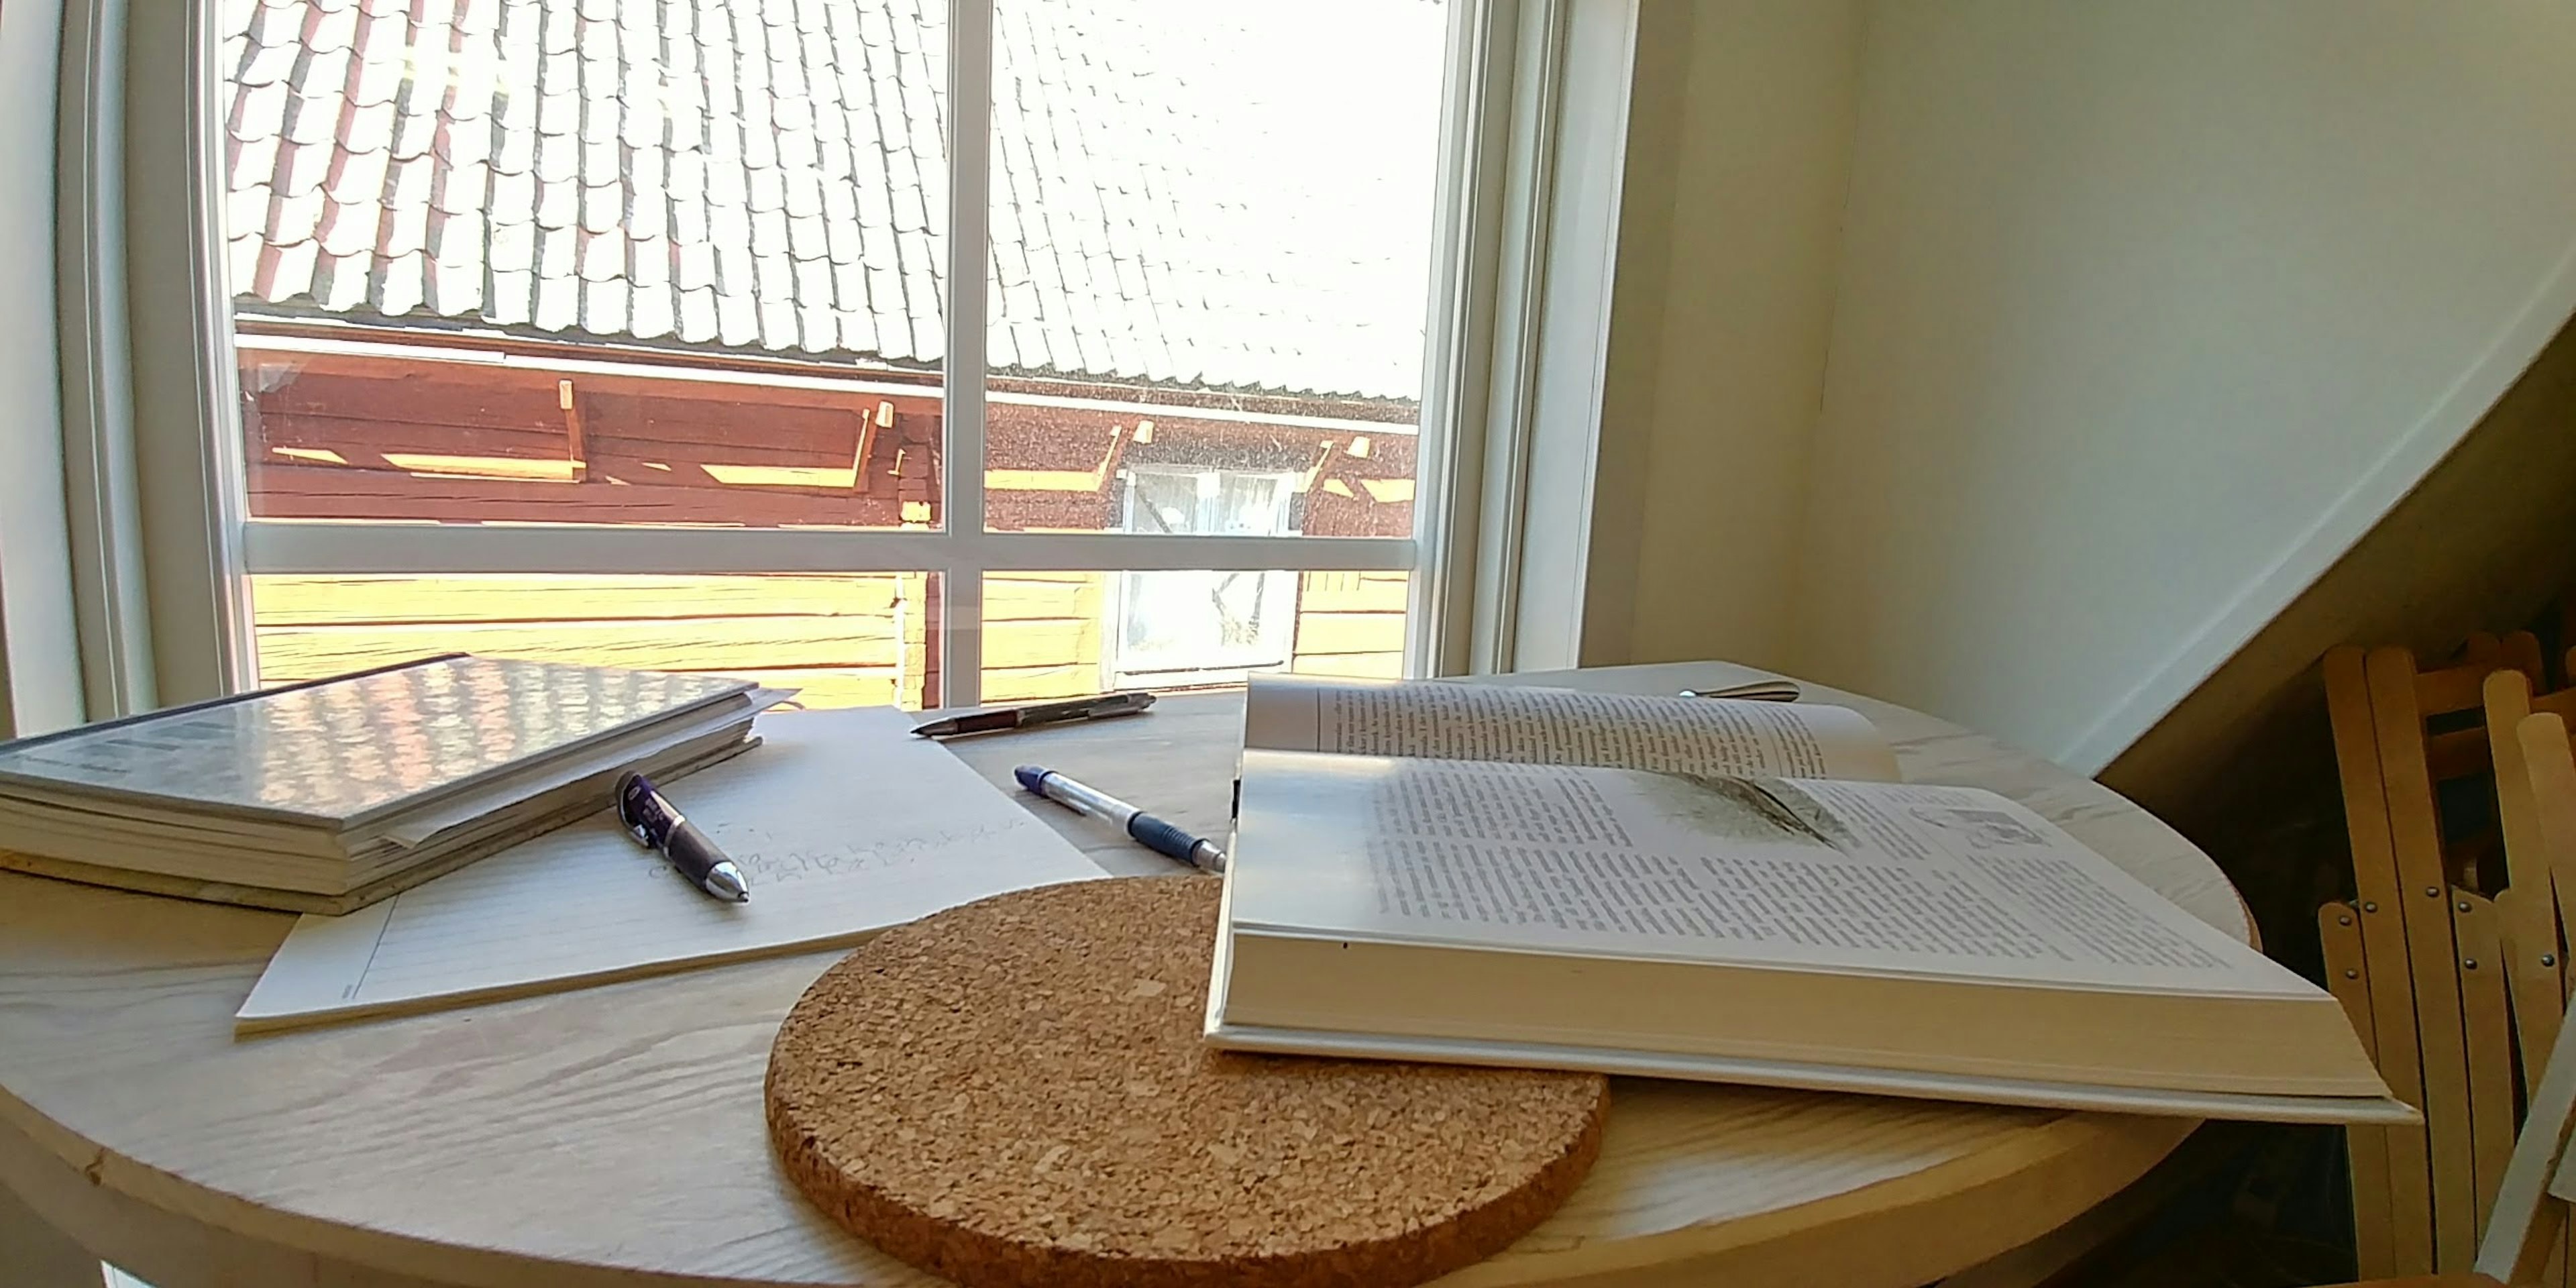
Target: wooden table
x=613 y=1136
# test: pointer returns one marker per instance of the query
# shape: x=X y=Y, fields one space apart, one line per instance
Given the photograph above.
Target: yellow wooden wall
x=845 y=640
x=1351 y=623
x=1042 y=634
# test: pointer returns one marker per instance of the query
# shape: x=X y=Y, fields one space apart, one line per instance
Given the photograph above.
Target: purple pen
x=657 y=825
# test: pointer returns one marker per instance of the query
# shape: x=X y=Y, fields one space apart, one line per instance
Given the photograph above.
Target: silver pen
x=657 y=825
x=1751 y=691
x=999 y=718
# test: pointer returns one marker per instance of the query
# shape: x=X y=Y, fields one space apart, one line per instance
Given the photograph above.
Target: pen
x=1107 y=704
x=1154 y=833
x=657 y=825
x=1751 y=691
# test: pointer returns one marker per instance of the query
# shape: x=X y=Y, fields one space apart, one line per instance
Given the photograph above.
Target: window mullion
x=961 y=627
x=970 y=142
x=365 y=547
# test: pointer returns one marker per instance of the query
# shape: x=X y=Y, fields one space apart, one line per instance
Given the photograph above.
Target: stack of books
x=1728 y=891
x=327 y=796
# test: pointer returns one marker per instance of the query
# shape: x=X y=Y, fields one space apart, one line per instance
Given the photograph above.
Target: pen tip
x=725 y=882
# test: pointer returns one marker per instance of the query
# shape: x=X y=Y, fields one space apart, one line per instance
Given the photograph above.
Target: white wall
x=2146 y=313
x=1758 y=159
x=39 y=658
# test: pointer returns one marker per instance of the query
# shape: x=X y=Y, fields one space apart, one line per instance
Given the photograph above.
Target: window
x=1203 y=627
x=903 y=350
x=471 y=303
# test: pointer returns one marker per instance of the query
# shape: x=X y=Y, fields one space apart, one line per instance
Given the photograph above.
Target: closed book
x=325 y=795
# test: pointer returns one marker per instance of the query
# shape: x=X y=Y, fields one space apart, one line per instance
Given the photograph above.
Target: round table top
x=614 y=1136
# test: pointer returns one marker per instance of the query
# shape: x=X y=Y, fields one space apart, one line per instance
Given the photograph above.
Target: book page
x=1713 y=736
x=842 y=821
x=1939 y=881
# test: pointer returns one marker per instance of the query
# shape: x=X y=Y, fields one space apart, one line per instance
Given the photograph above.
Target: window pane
x=1061 y=634
x=667 y=261
x=1211 y=230
x=853 y=640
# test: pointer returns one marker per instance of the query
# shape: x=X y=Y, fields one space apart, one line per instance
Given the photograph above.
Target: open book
x=1730 y=891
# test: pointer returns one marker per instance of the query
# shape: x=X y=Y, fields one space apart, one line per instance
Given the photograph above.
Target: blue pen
x=1154 y=833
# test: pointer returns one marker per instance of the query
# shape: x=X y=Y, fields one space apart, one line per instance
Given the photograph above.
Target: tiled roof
x=1228 y=195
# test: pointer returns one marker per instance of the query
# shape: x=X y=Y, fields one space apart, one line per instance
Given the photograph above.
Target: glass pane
x=1211 y=230
x=1063 y=634
x=666 y=261
x=861 y=639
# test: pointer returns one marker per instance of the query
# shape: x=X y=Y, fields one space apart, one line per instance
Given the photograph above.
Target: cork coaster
x=1014 y=1093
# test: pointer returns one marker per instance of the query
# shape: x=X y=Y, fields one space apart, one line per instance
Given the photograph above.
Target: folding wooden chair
x=2424 y=956
x=2527 y=1229
x=2530 y=1212
x=2455 y=949
x=2510 y=947
x=2533 y=906
x=2536 y=791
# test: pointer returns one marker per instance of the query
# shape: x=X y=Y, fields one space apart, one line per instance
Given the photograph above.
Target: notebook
x=325 y=795
x=843 y=823
x=345 y=752
x=1729 y=891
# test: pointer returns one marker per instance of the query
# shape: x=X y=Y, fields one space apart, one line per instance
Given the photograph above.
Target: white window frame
x=39 y=638
x=1515 y=347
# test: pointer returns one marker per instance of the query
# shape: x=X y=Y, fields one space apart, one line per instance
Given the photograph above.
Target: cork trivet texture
x=1014 y=1092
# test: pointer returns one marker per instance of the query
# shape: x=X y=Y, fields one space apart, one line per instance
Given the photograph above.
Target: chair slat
x=2385 y=958
x=2425 y=904
x=2339 y=931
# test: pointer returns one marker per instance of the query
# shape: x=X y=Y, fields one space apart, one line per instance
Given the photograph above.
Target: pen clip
x=636 y=802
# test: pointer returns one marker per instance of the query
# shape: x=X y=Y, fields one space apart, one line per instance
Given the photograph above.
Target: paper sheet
x=843 y=822
x=1884 y=877
x=1565 y=727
